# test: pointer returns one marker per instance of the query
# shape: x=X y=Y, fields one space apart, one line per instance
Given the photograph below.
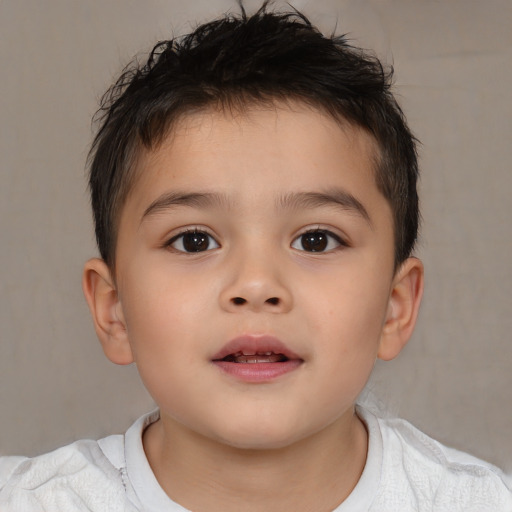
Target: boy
x=254 y=194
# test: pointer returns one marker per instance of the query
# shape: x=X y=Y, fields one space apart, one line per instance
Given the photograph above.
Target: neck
x=313 y=474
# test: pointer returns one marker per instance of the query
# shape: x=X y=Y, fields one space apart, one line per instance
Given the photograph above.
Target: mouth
x=259 y=357
x=256 y=358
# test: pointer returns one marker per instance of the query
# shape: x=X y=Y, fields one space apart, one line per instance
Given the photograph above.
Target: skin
x=293 y=442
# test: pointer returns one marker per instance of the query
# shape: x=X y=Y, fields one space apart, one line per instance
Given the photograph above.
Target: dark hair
x=237 y=61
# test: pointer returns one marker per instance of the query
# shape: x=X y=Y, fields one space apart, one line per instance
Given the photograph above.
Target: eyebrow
x=338 y=198
x=193 y=199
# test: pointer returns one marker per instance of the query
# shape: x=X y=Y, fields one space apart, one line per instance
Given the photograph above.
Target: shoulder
x=435 y=477
x=74 y=478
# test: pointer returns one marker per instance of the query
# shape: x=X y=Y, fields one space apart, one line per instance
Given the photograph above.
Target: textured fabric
x=418 y=474
x=77 y=477
x=405 y=471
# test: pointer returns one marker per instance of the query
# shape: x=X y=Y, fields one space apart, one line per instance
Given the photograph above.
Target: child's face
x=263 y=232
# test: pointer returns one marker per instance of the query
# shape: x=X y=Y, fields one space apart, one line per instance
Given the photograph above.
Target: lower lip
x=258 y=372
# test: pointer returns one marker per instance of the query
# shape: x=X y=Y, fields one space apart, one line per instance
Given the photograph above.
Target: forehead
x=289 y=131
x=257 y=152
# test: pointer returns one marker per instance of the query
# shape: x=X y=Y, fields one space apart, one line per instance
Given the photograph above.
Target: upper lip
x=255 y=344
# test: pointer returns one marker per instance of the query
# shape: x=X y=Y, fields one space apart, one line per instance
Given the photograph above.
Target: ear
x=403 y=307
x=106 y=310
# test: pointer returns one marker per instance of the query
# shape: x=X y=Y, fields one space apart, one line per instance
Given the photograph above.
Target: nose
x=255 y=282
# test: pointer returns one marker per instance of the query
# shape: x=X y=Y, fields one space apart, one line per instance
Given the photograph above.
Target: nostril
x=239 y=301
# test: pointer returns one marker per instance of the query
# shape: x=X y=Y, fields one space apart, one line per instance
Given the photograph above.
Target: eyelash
x=329 y=237
x=180 y=237
x=324 y=245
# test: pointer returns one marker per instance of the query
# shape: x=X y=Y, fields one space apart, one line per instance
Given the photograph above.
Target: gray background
x=453 y=73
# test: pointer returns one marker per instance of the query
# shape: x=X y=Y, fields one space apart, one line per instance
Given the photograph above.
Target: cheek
x=352 y=304
x=159 y=313
x=349 y=318
x=158 y=322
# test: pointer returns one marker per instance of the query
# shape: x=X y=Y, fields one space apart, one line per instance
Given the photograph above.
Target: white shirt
x=405 y=471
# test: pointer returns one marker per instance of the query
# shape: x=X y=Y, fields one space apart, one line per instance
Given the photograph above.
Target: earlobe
x=403 y=307
x=106 y=310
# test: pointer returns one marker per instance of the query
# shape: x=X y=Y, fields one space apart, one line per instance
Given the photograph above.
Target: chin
x=260 y=437
x=259 y=443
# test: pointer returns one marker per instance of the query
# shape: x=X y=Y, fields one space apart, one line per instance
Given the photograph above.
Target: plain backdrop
x=453 y=74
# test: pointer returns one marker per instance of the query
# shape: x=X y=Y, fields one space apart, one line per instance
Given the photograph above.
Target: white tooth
x=268 y=353
x=247 y=352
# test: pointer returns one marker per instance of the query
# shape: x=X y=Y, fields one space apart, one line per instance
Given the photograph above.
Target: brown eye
x=314 y=242
x=193 y=241
x=317 y=241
